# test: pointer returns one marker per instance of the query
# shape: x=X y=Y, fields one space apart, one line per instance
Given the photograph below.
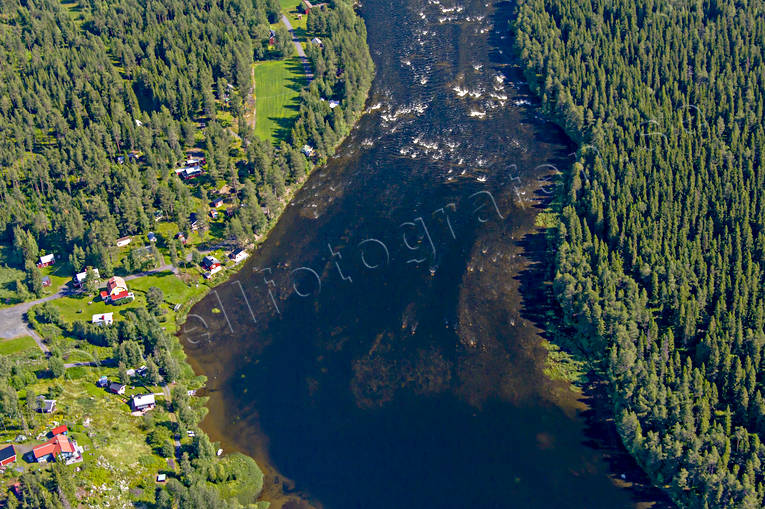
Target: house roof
x=63 y=443
x=44 y=449
x=81 y=276
x=103 y=317
x=115 y=282
x=46 y=405
x=56 y=445
x=59 y=430
x=7 y=452
x=47 y=258
x=114 y=386
x=143 y=399
x=121 y=295
x=210 y=260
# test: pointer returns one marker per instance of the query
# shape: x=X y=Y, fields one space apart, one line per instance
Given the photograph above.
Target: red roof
x=44 y=449
x=119 y=296
x=59 y=430
x=54 y=446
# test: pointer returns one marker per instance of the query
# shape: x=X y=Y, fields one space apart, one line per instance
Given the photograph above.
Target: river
x=382 y=348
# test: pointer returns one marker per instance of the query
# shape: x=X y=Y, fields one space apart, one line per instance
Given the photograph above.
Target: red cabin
x=7 y=455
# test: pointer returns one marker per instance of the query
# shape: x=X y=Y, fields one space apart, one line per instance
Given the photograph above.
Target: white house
x=333 y=104
x=124 y=241
x=143 y=402
x=46 y=406
x=214 y=270
x=317 y=42
x=103 y=319
x=80 y=277
x=238 y=255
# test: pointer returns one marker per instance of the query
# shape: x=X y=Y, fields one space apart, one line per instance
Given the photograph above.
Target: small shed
x=117 y=388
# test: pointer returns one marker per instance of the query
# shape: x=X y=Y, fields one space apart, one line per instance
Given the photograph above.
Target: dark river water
x=383 y=347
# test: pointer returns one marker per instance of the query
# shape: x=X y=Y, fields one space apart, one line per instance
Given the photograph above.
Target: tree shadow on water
x=540 y=307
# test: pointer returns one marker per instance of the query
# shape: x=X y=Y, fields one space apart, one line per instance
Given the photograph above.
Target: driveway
x=162 y=268
x=13 y=325
x=299 y=49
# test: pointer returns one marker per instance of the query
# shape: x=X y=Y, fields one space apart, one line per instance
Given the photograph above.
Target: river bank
x=271 y=493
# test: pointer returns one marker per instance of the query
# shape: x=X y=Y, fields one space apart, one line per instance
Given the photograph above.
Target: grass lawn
x=76 y=11
x=77 y=308
x=11 y=346
x=291 y=9
x=277 y=97
x=175 y=290
x=8 y=278
x=60 y=274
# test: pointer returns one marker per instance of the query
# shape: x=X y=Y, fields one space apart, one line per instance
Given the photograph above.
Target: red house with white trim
x=46 y=261
x=210 y=262
x=7 y=456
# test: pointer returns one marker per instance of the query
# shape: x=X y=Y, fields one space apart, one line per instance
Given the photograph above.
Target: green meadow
x=277 y=97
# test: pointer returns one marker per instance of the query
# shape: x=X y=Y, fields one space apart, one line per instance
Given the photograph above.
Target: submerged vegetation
x=660 y=267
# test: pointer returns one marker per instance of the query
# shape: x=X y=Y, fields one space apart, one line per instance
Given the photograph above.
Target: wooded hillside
x=99 y=102
x=661 y=262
